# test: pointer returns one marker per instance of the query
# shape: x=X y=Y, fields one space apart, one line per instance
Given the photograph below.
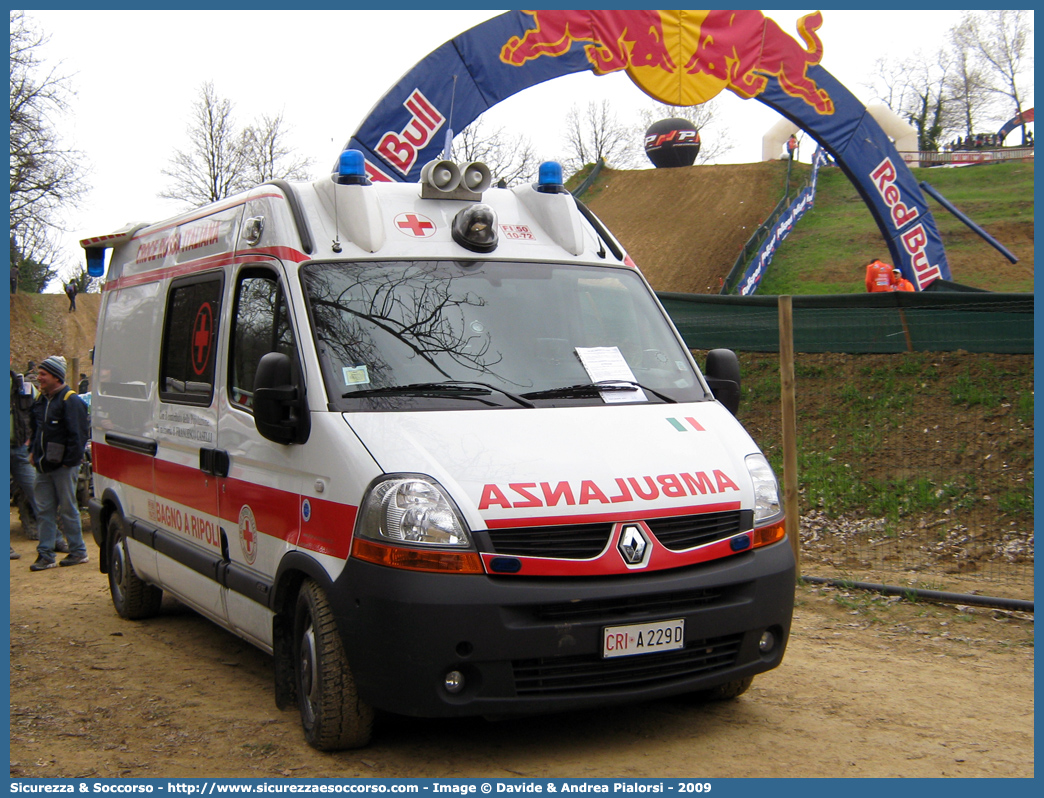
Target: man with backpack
x=59 y=430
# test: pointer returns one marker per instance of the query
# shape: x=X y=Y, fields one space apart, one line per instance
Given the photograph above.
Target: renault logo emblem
x=633 y=544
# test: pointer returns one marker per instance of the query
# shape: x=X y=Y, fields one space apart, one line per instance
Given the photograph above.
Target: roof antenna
x=447 y=149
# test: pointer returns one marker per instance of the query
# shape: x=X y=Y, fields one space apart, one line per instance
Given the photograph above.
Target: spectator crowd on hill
x=981 y=141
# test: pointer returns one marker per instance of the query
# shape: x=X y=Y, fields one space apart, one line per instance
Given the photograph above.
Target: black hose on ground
x=928 y=595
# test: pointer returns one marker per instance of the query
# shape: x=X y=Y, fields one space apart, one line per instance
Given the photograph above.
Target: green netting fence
x=881 y=323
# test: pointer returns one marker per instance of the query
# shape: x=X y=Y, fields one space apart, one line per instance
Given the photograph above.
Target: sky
x=136 y=75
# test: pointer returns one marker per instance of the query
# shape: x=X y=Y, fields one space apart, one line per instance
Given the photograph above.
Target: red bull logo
x=737 y=50
x=613 y=40
x=743 y=47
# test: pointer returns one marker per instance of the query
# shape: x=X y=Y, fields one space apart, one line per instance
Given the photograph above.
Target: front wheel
x=133 y=598
x=332 y=715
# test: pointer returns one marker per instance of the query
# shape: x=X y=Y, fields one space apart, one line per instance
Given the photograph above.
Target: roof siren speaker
x=441 y=175
x=476 y=177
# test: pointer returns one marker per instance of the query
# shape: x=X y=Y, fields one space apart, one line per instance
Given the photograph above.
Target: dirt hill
x=41 y=325
x=685 y=227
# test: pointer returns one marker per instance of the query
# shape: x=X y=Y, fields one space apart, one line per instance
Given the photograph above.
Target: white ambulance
x=435 y=447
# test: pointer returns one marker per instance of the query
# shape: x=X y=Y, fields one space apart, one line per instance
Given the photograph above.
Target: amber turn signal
x=438 y=561
x=769 y=534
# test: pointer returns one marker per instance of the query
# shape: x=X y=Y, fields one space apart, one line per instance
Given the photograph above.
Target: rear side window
x=190 y=340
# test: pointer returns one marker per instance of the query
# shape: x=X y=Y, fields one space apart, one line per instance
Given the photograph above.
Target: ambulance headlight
x=766 y=489
x=412 y=510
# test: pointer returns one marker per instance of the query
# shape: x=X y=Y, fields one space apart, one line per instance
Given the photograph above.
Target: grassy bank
x=826 y=252
x=899 y=436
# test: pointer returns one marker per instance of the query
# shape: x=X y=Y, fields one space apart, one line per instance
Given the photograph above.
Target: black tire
x=84 y=484
x=332 y=715
x=725 y=692
x=133 y=598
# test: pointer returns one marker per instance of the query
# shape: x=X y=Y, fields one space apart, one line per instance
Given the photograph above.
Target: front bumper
x=533 y=645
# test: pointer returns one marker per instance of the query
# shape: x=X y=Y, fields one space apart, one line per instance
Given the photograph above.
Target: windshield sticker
x=356 y=375
x=517 y=232
x=607 y=364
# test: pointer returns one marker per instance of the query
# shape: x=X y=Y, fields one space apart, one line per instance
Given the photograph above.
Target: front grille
x=559 y=675
x=573 y=542
x=690 y=531
x=586 y=541
x=654 y=605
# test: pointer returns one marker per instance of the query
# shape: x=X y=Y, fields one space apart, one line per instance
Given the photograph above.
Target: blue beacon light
x=351 y=169
x=549 y=178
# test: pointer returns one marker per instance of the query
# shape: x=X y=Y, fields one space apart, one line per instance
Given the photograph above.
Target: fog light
x=767 y=642
x=454 y=682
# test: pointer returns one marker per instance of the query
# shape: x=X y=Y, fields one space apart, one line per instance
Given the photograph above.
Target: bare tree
x=928 y=102
x=213 y=167
x=509 y=158
x=889 y=83
x=46 y=176
x=266 y=155
x=968 y=83
x=1004 y=41
x=713 y=145
x=918 y=88
x=594 y=133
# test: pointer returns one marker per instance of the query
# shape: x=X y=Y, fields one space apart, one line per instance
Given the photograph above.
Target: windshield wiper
x=586 y=389
x=457 y=388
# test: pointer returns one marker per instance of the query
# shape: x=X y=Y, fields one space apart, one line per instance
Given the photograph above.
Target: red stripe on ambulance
x=185 y=490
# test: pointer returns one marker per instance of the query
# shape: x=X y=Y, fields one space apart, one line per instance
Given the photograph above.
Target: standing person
x=879 y=277
x=23 y=395
x=900 y=282
x=70 y=291
x=21 y=472
x=84 y=386
x=792 y=146
x=58 y=427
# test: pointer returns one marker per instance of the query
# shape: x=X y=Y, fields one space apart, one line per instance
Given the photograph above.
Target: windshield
x=442 y=334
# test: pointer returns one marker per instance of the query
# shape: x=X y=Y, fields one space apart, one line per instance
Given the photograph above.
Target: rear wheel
x=332 y=715
x=84 y=484
x=133 y=598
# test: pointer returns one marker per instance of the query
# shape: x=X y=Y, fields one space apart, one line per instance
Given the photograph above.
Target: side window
x=260 y=324
x=190 y=340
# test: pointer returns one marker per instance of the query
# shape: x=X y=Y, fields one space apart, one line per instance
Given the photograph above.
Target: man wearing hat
x=900 y=282
x=59 y=431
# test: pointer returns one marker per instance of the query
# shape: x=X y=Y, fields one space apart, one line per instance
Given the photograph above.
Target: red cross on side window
x=201 y=330
x=415 y=225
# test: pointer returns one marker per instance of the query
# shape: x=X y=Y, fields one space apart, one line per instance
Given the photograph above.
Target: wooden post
x=786 y=380
x=72 y=373
x=906 y=330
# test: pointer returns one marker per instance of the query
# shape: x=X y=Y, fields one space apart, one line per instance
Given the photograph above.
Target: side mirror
x=723 y=377
x=280 y=412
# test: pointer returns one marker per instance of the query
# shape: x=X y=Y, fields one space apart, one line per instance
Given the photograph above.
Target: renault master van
x=434 y=447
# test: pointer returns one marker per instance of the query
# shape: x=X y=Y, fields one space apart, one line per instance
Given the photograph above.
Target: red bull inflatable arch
x=680 y=58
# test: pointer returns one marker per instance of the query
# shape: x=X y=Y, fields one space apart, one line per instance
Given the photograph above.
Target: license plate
x=643 y=638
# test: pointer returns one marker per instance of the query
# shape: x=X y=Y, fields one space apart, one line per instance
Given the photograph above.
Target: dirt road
x=869 y=687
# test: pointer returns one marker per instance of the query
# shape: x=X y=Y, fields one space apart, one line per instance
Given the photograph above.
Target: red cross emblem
x=201 y=336
x=414 y=224
x=248 y=534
